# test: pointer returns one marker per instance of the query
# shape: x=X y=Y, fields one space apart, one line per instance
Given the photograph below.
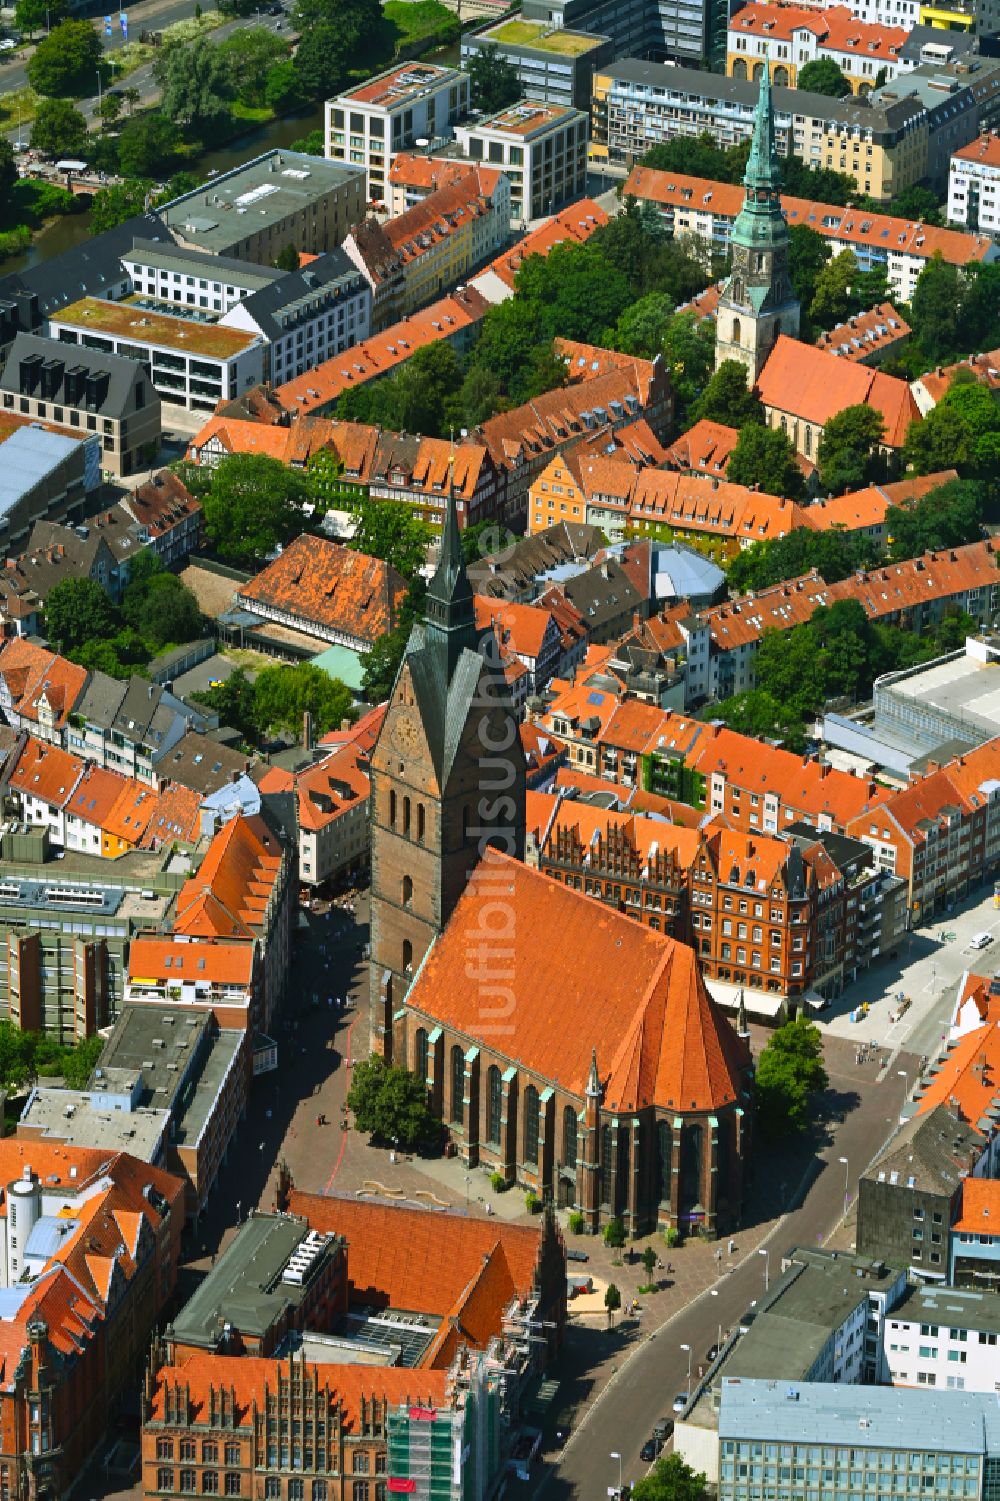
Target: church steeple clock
x=758 y=302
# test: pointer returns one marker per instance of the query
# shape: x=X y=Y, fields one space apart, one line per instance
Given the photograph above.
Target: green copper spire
x=763 y=171
x=451 y=614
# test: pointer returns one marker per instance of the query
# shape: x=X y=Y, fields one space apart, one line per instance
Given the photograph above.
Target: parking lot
x=930 y=963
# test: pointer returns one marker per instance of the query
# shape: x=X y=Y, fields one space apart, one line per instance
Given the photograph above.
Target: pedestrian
x=732 y=1245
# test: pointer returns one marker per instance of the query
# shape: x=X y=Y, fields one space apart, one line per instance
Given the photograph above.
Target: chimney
x=307 y=736
x=30 y=370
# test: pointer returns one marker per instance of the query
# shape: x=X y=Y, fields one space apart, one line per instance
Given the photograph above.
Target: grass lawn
x=252 y=114
x=18 y=106
x=530 y=34
x=413 y=20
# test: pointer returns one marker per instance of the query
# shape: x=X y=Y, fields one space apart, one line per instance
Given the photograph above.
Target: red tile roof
x=658 y=1037
x=810 y=384
x=575 y=223
x=704 y=448
x=251 y=1377
x=968 y=1080
x=451 y=1266
x=585 y=361
x=31 y=673
x=215 y=961
x=414 y=170
x=48 y=773
x=980 y=1212
x=161 y=504
x=321 y=386
x=334 y=786
x=865 y=334
x=985 y=149
x=318 y=582
x=519 y=628
x=985 y=368
x=228 y=895
x=861 y=509
x=848 y=226
x=835 y=29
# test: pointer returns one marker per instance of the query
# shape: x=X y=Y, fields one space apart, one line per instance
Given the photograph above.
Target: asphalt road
x=644 y=1388
x=154 y=15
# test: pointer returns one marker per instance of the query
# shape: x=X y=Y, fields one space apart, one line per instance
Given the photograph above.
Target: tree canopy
x=148 y=145
x=390 y=1104
x=493 y=81
x=961 y=432
x=765 y=456
x=391 y=531
x=58 y=129
x=66 y=61
x=671 y=1479
x=822 y=76
x=790 y=1074
x=282 y=695
x=727 y=398
x=834 y=554
x=196 y=83
x=849 y=455
x=253 y=503
x=77 y=610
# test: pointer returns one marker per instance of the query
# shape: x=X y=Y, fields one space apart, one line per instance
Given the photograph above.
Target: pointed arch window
x=457 y=1085
x=494 y=1103
x=531 y=1119
x=569 y=1136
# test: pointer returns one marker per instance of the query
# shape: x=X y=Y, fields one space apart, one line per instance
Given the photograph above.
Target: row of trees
x=156 y=613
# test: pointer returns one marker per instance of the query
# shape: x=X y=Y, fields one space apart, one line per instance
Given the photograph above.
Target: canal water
x=63 y=234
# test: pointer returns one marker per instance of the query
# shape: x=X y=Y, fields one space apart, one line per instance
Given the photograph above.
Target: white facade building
x=366 y=126
x=974 y=186
x=946 y=1338
x=542 y=148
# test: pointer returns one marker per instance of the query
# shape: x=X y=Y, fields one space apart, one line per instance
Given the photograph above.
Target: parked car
x=648 y=1451
x=574 y=1255
x=681 y=1401
x=981 y=940
x=663 y=1430
x=711 y=1353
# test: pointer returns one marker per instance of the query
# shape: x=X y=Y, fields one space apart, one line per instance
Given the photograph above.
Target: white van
x=980 y=940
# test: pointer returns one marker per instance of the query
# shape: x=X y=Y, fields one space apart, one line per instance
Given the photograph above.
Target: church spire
x=451 y=615
x=763 y=173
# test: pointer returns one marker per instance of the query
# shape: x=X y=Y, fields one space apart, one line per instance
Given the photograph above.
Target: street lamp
x=98 y=91
x=688 y=1349
x=767 y=1266
x=718 y=1344
x=846 y=1180
x=616 y=1455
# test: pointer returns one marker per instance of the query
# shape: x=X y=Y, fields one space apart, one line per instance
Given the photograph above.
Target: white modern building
x=194 y=365
x=944 y=1337
x=974 y=185
x=367 y=125
x=542 y=148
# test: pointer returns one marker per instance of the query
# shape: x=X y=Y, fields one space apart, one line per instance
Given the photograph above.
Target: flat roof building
x=542 y=149
x=44 y=472
x=276 y=1276
x=409 y=102
x=554 y=65
x=278 y=199
x=86 y=1118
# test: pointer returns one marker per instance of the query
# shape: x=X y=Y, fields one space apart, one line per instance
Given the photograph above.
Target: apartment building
x=366 y=126
x=303 y=316
x=784 y=38
x=944 y=1337
x=691 y=31
x=706 y=210
x=220 y=974
x=411 y=260
x=422 y=472
x=974 y=185
x=541 y=149
x=89 y=392
x=49 y=472
x=167 y=515
x=258 y=209
x=192 y=365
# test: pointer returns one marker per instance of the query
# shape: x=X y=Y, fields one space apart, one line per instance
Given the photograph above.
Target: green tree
x=671 y=1479
x=727 y=399
x=832 y=300
x=636 y=245
x=760 y=715
x=78 y=1063
x=485 y=539
x=17 y=1050
x=8 y=169
x=312 y=144
x=163 y=610
x=919 y=203
x=233 y=701
x=949 y=516
x=415 y=398
x=77 y=611
x=322 y=60
x=808 y=253
x=147 y=145
x=380 y=664
x=972 y=420
x=822 y=76
x=612 y=1301
x=132 y=96
x=790 y=1073
x=58 y=129
x=283 y=88
x=849 y=456
x=31 y=15
x=573 y=292
x=249 y=54
x=254 y=503
x=287 y=258
x=689 y=352
x=66 y=61
x=698 y=156
x=392 y=531
x=765 y=456
x=833 y=553
x=493 y=80
x=649 y=1260
x=390 y=1104
x=196 y=85
x=282 y=695
x=614 y=1234
x=478 y=398
x=643 y=326
x=111 y=107
x=936 y=309
x=787 y=669
x=818 y=184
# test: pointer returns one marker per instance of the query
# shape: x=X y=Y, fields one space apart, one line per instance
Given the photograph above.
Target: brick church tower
x=448 y=780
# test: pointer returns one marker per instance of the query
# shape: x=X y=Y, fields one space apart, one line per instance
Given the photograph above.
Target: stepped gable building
x=758 y=302
x=447 y=778
x=578 y=1053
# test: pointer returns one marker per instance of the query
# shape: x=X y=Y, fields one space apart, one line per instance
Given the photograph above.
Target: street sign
x=123 y=18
